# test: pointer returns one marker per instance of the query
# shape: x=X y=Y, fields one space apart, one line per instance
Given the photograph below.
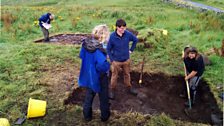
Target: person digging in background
x=194 y=68
x=119 y=54
x=93 y=73
x=44 y=23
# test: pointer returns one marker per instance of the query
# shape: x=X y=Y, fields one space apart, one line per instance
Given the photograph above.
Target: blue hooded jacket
x=94 y=64
x=45 y=18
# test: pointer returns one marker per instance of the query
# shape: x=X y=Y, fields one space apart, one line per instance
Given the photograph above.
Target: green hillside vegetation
x=23 y=62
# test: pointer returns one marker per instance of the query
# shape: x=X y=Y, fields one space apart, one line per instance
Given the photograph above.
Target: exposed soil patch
x=158 y=93
x=66 y=38
x=73 y=39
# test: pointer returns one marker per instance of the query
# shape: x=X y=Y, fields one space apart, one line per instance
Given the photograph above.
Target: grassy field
x=22 y=62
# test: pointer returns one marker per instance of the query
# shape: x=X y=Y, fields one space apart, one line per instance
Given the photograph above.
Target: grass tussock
x=161 y=120
x=8 y=19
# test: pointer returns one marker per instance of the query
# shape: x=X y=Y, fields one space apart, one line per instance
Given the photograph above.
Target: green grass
x=161 y=120
x=29 y=2
x=22 y=61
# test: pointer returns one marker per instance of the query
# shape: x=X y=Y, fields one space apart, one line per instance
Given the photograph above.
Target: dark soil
x=159 y=93
x=66 y=39
x=73 y=38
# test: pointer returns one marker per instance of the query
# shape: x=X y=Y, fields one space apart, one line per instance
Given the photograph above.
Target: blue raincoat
x=94 y=64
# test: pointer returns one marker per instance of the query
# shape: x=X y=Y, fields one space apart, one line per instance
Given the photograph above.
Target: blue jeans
x=103 y=98
x=193 y=84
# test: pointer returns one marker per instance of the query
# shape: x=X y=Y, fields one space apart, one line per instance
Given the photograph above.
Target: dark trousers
x=193 y=84
x=46 y=34
x=103 y=98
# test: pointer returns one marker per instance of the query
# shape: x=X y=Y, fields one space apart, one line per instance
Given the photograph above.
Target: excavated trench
x=66 y=39
x=159 y=93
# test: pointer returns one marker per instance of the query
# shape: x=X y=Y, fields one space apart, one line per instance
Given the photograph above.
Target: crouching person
x=44 y=23
x=194 y=68
x=93 y=73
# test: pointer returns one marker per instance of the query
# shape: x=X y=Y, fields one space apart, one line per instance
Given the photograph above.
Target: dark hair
x=185 y=51
x=120 y=22
x=186 y=47
x=192 y=50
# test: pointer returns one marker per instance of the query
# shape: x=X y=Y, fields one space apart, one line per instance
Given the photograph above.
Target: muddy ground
x=66 y=38
x=72 y=38
x=159 y=93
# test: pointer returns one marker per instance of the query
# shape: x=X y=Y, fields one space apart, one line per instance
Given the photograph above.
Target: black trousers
x=103 y=98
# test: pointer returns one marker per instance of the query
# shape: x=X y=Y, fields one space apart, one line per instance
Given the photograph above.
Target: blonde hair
x=101 y=33
x=52 y=16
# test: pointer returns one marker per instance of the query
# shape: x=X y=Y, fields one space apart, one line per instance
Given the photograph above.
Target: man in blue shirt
x=119 y=54
x=45 y=19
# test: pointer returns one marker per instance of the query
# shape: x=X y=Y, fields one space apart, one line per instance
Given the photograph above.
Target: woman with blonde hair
x=93 y=73
x=102 y=33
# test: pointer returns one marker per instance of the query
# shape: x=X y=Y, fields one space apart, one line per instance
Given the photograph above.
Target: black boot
x=183 y=94
x=132 y=91
x=186 y=104
x=112 y=94
x=47 y=40
x=88 y=119
x=104 y=119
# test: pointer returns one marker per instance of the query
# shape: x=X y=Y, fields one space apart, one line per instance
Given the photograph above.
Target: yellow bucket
x=36 y=108
x=4 y=122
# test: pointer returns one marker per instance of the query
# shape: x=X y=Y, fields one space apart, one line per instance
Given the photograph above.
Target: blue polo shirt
x=118 y=46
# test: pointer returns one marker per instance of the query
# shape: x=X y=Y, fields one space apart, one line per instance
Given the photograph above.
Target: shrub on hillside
x=8 y=19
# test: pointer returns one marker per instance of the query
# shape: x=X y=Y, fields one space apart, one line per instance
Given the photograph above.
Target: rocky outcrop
x=194 y=5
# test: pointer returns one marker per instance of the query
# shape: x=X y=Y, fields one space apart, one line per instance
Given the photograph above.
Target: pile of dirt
x=159 y=93
x=66 y=38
